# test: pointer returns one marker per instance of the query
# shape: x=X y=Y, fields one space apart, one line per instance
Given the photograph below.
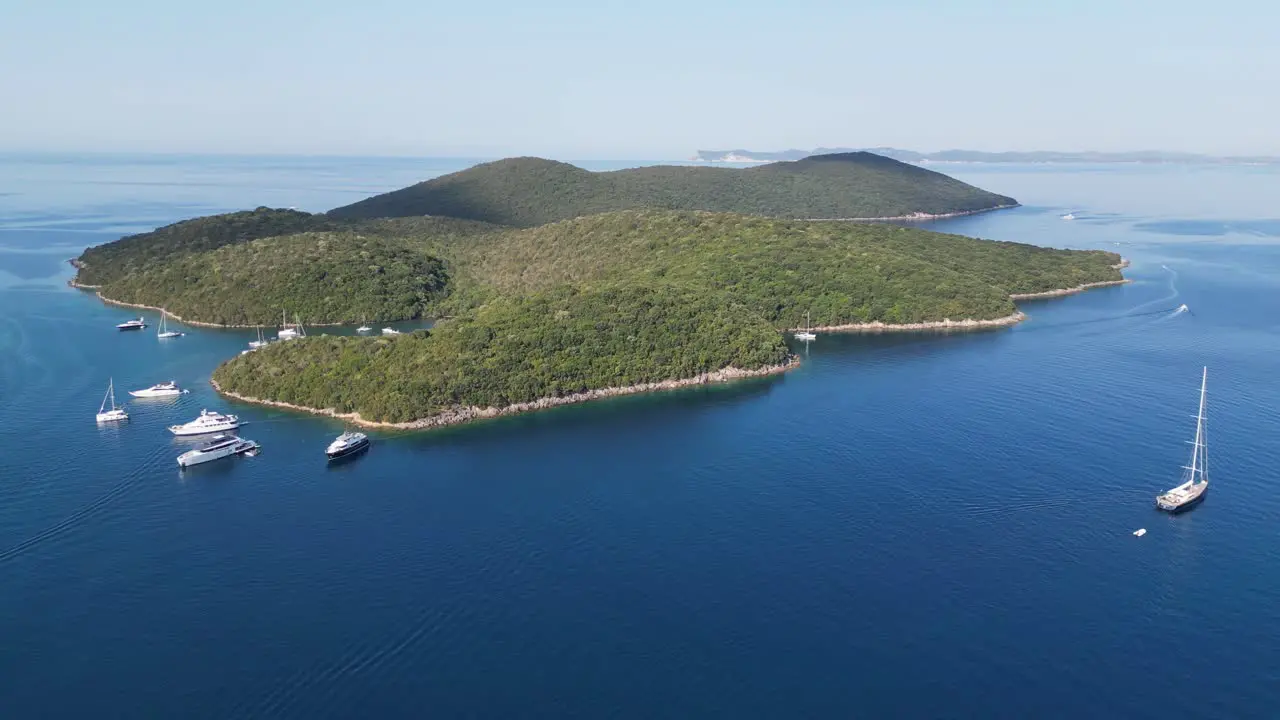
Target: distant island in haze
x=552 y=284
x=977 y=156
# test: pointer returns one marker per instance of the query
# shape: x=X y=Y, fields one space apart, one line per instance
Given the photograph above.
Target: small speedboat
x=207 y=422
x=115 y=414
x=346 y=444
x=135 y=324
x=218 y=447
x=164 y=389
x=390 y=331
x=1069 y=216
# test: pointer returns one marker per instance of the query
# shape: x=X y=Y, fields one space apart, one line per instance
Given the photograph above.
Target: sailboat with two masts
x=115 y=414
x=806 y=335
x=1196 y=476
x=261 y=342
x=286 y=332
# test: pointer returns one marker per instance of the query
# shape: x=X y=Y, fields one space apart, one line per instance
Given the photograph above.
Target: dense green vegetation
x=527 y=192
x=600 y=297
x=512 y=350
x=841 y=272
x=321 y=277
x=127 y=256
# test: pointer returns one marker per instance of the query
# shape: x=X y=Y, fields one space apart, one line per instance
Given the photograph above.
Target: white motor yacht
x=164 y=389
x=218 y=447
x=348 y=443
x=136 y=324
x=390 y=331
x=115 y=414
x=207 y=422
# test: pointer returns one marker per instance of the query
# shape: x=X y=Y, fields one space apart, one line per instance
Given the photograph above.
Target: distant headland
x=978 y=156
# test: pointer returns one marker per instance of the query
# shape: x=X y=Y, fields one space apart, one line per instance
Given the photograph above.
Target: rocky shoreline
x=952 y=325
x=460 y=414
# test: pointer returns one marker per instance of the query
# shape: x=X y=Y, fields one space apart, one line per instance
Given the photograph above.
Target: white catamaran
x=1196 y=478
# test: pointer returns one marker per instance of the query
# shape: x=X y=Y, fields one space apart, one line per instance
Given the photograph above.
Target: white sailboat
x=115 y=414
x=261 y=342
x=1196 y=478
x=806 y=335
x=390 y=331
x=163 y=331
x=364 y=326
x=286 y=332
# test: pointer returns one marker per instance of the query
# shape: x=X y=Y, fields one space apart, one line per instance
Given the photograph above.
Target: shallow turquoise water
x=909 y=525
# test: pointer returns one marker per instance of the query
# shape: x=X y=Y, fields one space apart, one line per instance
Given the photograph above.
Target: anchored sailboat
x=1196 y=478
x=806 y=335
x=115 y=413
x=164 y=332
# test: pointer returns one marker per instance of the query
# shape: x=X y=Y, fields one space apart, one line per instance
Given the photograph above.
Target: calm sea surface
x=907 y=526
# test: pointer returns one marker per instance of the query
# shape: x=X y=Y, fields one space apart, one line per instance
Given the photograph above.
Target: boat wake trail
x=1091 y=321
x=1173 y=293
x=79 y=516
x=364 y=659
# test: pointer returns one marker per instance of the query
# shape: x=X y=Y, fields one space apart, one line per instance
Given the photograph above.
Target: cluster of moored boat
x=223 y=442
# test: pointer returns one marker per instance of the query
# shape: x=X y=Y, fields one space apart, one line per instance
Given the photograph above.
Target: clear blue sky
x=637 y=80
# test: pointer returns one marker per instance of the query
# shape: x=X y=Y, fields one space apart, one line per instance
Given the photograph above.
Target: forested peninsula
x=541 y=313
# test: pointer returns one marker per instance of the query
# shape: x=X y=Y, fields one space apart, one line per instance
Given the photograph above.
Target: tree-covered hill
x=514 y=350
x=526 y=192
x=104 y=263
x=321 y=277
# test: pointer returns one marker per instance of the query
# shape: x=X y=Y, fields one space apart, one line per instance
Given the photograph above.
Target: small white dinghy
x=1140 y=532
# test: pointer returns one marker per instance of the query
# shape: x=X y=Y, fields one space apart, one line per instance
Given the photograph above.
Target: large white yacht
x=208 y=422
x=218 y=447
x=136 y=324
x=348 y=443
x=1195 y=481
x=164 y=389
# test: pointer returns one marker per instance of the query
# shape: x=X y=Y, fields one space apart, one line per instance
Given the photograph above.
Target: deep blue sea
x=907 y=526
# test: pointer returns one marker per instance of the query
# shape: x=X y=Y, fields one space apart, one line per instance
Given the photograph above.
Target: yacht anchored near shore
x=347 y=444
x=1196 y=478
x=164 y=332
x=164 y=389
x=218 y=447
x=207 y=422
x=135 y=324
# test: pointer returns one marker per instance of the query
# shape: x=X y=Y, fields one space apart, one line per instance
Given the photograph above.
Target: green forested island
x=526 y=192
x=566 y=308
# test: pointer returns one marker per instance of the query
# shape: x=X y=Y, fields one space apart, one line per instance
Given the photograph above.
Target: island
x=527 y=192
x=534 y=315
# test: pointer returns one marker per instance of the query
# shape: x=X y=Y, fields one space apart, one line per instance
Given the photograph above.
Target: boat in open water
x=1195 y=476
x=207 y=422
x=163 y=331
x=218 y=447
x=347 y=444
x=135 y=324
x=115 y=414
x=164 y=389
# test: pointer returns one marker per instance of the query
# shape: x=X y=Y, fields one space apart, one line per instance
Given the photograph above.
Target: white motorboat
x=348 y=443
x=1196 y=476
x=135 y=324
x=207 y=422
x=164 y=389
x=390 y=331
x=1069 y=216
x=218 y=447
x=164 y=332
x=115 y=414
x=806 y=335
